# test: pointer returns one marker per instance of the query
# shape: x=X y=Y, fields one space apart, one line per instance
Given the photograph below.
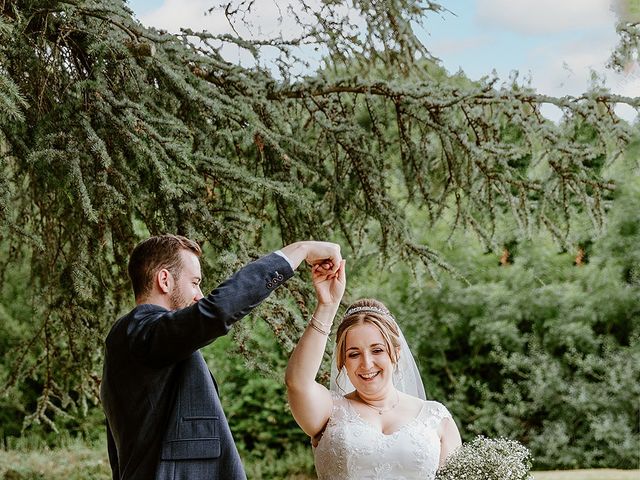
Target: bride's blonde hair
x=368 y=310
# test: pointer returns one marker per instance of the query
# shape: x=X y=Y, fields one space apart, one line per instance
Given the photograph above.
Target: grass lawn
x=588 y=475
x=77 y=463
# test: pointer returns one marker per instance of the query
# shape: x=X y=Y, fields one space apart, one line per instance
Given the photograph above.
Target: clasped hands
x=327 y=268
x=328 y=274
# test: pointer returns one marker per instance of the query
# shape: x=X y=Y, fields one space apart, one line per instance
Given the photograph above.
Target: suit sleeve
x=160 y=337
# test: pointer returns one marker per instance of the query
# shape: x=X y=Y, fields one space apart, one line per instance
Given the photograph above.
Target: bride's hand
x=329 y=286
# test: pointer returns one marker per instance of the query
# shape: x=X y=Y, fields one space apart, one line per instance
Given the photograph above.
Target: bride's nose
x=367 y=360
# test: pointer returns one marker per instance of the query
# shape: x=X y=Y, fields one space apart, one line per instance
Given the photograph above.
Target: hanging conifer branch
x=110 y=131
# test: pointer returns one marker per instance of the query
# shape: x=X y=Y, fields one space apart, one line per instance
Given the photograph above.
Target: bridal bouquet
x=488 y=459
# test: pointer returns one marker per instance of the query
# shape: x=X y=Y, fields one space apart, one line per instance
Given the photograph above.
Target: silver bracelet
x=317 y=327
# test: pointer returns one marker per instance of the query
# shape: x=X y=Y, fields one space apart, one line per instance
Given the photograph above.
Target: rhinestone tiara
x=354 y=310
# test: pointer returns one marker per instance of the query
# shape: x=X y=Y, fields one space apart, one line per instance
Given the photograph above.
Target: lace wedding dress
x=353 y=449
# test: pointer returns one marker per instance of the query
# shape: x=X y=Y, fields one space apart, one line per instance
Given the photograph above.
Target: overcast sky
x=558 y=43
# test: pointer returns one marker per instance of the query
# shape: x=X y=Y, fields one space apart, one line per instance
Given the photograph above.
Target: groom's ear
x=164 y=280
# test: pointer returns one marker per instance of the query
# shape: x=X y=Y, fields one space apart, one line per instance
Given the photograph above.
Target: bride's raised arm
x=310 y=401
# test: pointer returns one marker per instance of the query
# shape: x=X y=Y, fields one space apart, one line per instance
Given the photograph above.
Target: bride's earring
x=397 y=373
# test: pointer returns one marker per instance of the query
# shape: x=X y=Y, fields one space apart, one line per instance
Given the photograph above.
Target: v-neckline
x=373 y=427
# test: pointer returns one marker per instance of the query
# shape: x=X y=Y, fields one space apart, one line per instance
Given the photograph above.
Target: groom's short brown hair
x=155 y=253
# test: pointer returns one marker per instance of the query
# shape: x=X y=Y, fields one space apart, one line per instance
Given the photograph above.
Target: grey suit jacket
x=164 y=417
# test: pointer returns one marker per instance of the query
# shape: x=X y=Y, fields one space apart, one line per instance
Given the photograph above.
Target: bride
x=374 y=422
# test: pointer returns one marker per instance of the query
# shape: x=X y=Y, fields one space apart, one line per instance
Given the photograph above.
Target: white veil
x=406 y=377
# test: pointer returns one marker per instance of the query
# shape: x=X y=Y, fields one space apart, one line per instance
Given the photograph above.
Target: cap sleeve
x=434 y=413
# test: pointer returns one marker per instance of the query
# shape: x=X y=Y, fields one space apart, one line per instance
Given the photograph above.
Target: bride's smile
x=368 y=363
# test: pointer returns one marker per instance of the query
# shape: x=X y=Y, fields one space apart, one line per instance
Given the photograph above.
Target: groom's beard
x=178 y=300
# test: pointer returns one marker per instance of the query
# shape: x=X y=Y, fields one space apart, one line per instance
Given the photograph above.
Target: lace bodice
x=353 y=449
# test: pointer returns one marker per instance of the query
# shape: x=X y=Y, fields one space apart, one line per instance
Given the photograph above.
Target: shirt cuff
x=279 y=252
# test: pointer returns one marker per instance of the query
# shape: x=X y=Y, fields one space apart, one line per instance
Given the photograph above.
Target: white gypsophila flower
x=488 y=459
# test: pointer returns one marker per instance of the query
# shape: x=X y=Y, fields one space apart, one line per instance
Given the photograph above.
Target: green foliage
x=294 y=464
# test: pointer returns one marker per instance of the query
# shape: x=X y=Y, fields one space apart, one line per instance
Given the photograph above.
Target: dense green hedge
x=537 y=365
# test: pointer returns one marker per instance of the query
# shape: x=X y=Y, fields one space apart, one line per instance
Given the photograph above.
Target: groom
x=164 y=418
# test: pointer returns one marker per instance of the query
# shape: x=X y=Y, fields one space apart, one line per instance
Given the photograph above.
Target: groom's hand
x=324 y=254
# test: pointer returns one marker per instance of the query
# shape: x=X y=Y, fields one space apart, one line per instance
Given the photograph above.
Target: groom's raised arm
x=163 y=336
